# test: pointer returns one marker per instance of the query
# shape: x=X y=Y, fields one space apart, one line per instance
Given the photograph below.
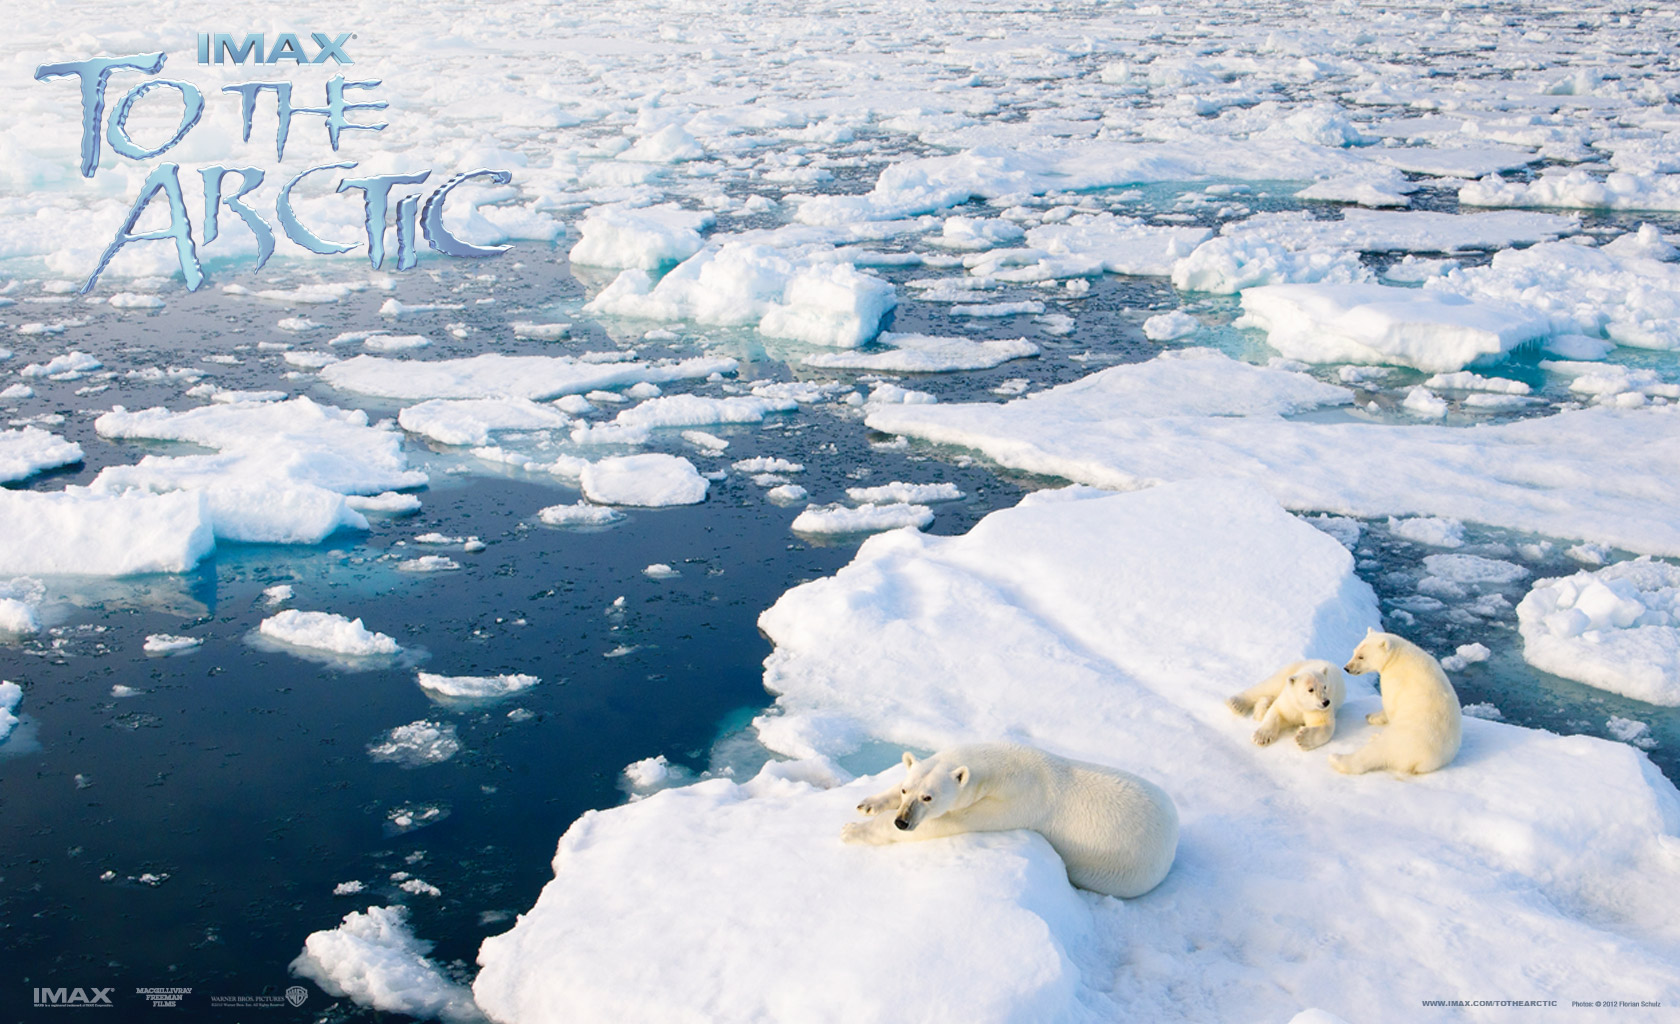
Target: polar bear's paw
x=876 y=804
x=1377 y=718
x=1240 y=705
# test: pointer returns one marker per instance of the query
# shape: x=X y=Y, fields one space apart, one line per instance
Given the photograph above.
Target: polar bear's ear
x=909 y=759
x=961 y=775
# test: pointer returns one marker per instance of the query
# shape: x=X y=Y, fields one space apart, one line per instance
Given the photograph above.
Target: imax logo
x=73 y=997
x=222 y=47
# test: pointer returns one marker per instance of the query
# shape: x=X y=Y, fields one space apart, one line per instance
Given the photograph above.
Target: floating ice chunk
x=298 y=324
x=419 y=887
x=669 y=145
x=698 y=410
x=1234 y=263
x=660 y=571
x=493 y=375
x=417 y=744
x=11 y=695
x=1170 y=326
x=787 y=494
x=1589 y=554
x=1403 y=231
x=16 y=392
x=740 y=284
x=922 y=353
x=23 y=453
x=469 y=421
x=836 y=305
x=1432 y=531
x=389 y=503
x=428 y=563
x=1370 y=323
x=1422 y=402
x=374 y=959
x=1632 y=732
x=1473 y=569
x=134 y=300
x=65 y=367
x=887 y=393
x=1088 y=244
x=649 y=773
x=766 y=464
x=326 y=631
x=960 y=232
x=350 y=888
x=1616 y=628
x=475 y=688
x=1577 y=189
x=998 y=309
x=540 y=332
x=163 y=643
x=651 y=480
x=903 y=492
x=1466 y=654
x=78 y=532
x=1464 y=380
x=709 y=444
x=579 y=514
x=838 y=519
x=280 y=593
x=645 y=238
x=395 y=342
x=284 y=470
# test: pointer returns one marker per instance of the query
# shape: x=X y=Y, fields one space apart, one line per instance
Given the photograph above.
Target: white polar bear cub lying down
x=1419 y=707
x=1115 y=832
x=1303 y=693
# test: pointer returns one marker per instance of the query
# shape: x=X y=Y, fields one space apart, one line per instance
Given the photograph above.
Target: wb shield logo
x=296 y=995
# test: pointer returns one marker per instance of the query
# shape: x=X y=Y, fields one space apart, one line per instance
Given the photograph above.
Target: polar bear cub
x=1116 y=833
x=1419 y=708
x=1304 y=694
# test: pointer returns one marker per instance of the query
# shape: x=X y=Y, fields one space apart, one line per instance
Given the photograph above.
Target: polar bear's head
x=1371 y=654
x=1311 y=686
x=931 y=788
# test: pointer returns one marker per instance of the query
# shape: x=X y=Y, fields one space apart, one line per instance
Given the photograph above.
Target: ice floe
x=374 y=959
x=23 y=453
x=1616 y=628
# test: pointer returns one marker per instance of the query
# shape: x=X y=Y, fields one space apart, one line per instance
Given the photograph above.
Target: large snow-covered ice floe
x=1107 y=628
x=78 y=531
x=820 y=302
x=1372 y=323
x=1616 y=628
x=326 y=632
x=1600 y=474
x=283 y=470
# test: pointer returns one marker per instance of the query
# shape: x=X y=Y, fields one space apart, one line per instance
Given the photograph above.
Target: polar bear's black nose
x=902 y=823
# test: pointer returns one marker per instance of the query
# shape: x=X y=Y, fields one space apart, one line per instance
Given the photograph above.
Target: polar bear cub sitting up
x=1419 y=707
x=1306 y=694
x=1116 y=833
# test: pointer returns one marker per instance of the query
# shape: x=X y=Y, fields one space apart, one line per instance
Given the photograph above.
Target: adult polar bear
x=1116 y=833
x=1419 y=707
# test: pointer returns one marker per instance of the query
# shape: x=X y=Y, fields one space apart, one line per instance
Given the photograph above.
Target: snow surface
x=1616 y=628
x=417 y=744
x=1597 y=474
x=469 y=421
x=1539 y=849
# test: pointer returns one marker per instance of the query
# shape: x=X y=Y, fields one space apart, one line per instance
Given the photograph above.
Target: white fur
x=1419 y=708
x=1304 y=694
x=1116 y=833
